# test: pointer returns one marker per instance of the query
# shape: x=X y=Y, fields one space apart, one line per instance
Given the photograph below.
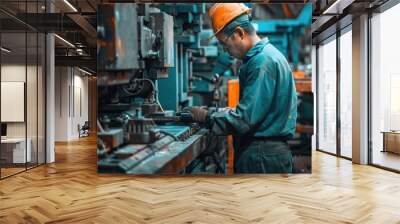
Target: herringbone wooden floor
x=70 y=191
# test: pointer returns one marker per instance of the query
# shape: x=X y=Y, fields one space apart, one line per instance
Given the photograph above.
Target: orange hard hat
x=222 y=14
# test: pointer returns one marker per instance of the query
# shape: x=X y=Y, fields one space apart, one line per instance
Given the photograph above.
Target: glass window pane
x=22 y=63
x=385 y=89
x=13 y=86
x=41 y=99
x=31 y=101
x=327 y=97
x=346 y=94
x=15 y=150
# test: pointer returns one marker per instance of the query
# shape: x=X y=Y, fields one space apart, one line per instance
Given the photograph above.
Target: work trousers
x=264 y=157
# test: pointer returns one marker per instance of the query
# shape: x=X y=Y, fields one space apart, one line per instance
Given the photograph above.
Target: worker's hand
x=199 y=114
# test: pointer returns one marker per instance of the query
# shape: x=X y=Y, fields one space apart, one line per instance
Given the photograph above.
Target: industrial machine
x=211 y=73
x=145 y=55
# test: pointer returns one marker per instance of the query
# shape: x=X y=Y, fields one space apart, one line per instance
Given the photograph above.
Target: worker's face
x=233 y=44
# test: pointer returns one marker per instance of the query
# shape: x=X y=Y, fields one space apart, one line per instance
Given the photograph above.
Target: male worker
x=265 y=117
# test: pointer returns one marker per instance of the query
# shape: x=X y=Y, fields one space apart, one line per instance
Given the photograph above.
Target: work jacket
x=268 y=99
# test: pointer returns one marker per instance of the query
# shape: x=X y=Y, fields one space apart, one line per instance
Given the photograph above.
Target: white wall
x=13 y=73
x=81 y=82
x=71 y=94
x=61 y=103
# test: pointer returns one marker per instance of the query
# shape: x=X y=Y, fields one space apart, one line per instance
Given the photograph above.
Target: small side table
x=391 y=141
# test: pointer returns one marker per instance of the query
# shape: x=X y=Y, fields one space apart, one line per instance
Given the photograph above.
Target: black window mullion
x=338 y=98
x=37 y=90
x=317 y=97
x=26 y=86
x=0 y=93
x=369 y=79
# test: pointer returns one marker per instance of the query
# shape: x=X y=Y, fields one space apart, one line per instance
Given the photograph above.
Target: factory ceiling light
x=84 y=71
x=337 y=7
x=70 y=5
x=65 y=41
x=5 y=50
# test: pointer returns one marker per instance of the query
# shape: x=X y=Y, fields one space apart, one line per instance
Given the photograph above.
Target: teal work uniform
x=266 y=114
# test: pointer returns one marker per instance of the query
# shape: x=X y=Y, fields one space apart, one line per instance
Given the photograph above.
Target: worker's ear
x=240 y=32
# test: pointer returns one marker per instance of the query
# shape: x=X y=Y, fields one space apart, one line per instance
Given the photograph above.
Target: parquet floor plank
x=71 y=191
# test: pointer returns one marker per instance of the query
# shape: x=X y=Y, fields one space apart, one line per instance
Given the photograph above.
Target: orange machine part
x=233 y=100
x=299 y=74
x=233 y=93
x=303 y=83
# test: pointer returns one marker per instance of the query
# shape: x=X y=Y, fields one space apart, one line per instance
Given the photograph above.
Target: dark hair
x=242 y=21
x=249 y=28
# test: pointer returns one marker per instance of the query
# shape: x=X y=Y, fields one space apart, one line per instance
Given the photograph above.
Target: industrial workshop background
x=154 y=60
